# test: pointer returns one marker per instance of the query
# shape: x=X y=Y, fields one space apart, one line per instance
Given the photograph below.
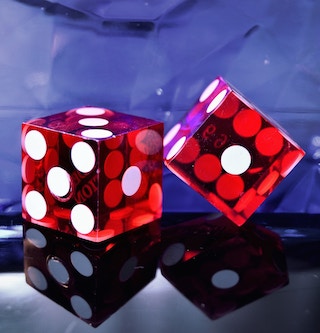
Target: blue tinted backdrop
x=153 y=59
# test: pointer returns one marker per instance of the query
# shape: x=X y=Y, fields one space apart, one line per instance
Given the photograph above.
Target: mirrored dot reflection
x=81 y=307
x=58 y=271
x=36 y=238
x=173 y=254
x=225 y=279
x=81 y=263
x=37 y=278
x=128 y=269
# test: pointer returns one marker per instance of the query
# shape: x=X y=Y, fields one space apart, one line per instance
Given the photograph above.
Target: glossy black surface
x=160 y=307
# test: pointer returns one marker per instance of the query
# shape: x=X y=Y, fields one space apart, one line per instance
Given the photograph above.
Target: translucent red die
x=229 y=152
x=92 y=172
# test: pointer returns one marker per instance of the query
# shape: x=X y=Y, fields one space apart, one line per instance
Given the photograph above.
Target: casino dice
x=220 y=267
x=92 y=280
x=92 y=172
x=229 y=152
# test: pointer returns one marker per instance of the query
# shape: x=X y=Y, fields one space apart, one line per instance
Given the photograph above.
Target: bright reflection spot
x=316 y=141
x=11 y=232
x=14 y=284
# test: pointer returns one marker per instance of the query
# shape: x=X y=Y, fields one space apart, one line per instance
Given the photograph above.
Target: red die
x=92 y=172
x=229 y=152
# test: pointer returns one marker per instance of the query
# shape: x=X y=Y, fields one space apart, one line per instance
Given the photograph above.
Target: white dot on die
x=171 y=134
x=131 y=180
x=97 y=133
x=58 y=270
x=225 y=279
x=93 y=122
x=81 y=263
x=37 y=278
x=83 y=157
x=58 y=181
x=176 y=147
x=35 y=145
x=216 y=101
x=90 y=111
x=35 y=205
x=209 y=90
x=236 y=160
x=82 y=219
x=81 y=307
x=36 y=238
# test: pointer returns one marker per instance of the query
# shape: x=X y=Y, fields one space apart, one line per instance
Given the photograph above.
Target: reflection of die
x=220 y=267
x=92 y=172
x=229 y=152
x=92 y=280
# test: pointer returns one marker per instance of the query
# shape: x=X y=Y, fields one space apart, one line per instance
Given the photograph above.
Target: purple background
x=153 y=59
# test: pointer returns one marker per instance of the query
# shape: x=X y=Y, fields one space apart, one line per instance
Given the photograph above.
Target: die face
x=91 y=280
x=231 y=269
x=131 y=181
x=92 y=172
x=235 y=158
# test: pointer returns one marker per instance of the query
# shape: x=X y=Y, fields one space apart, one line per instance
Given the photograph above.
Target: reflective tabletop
x=290 y=303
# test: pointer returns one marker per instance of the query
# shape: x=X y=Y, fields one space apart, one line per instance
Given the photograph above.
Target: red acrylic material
x=83 y=167
x=230 y=152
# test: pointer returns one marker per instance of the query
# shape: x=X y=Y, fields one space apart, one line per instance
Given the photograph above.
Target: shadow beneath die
x=220 y=267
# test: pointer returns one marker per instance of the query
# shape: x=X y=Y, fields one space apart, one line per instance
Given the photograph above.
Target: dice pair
x=96 y=175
